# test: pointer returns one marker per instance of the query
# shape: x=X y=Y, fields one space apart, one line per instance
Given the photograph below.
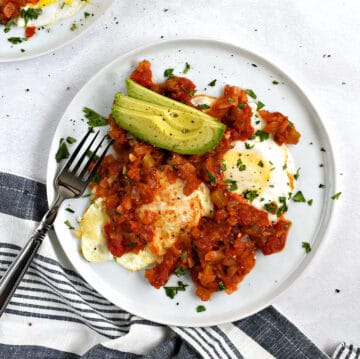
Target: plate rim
x=325 y=220
x=77 y=35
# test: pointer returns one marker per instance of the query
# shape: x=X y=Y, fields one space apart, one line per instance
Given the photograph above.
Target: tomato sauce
x=10 y=9
x=220 y=250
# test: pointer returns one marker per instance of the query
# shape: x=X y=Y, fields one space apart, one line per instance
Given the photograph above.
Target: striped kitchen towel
x=56 y=314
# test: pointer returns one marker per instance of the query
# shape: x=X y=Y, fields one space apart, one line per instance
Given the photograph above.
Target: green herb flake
x=67 y=222
x=231 y=99
x=262 y=135
x=240 y=165
x=221 y=286
x=124 y=171
x=192 y=93
x=223 y=167
x=179 y=271
x=69 y=210
x=169 y=73
x=200 y=308
x=94 y=119
x=212 y=83
x=172 y=291
x=248 y=146
x=30 y=14
x=183 y=255
x=306 y=246
x=321 y=185
x=73 y=27
x=8 y=25
x=261 y=163
x=275 y=82
x=310 y=202
x=232 y=185
x=204 y=106
x=86 y=14
x=298 y=197
x=250 y=195
x=297 y=174
x=211 y=177
x=187 y=68
x=70 y=140
x=260 y=105
x=62 y=151
x=241 y=105
x=336 y=195
x=283 y=208
x=251 y=93
x=271 y=207
x=17 y=40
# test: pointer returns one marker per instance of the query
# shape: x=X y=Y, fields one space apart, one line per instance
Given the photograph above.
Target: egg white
x=175 y=212
x=52 y=11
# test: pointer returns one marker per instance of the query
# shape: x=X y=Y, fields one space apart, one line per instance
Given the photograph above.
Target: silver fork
x=70 y=182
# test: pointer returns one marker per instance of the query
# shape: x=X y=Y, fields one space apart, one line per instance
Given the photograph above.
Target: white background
x=316 y=43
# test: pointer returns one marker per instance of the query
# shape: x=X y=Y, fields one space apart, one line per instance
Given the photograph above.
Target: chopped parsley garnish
x=260 y=105
x=67 y=222
x=261 y=163
x=241 y=105
x=200 y=308
x=271 y=207
x=321 y=185
x=232 y=185
x=223 y=167
x=284 y=167
x=221 y=286
x=96 y=178
x=231 y=99
x=8 y=25
x=30 y=14
x=70 y=140
x=204 y=106
x=298 y=197
x=62 y=151
x=69 y=210
x=251 y=93
x=17 y=40
x=172 y=291
x=212 y=83
x=250 y=195
x=283 y=208
x=306 y=246
x=336 y=195
x=240 y=165
x=275 y=82
x=73 y=27
x=169 y=73
x=179 y=271
x=94 y=119
x=248 y=146
x=183 y=255
x=310 y=202
x=297 y=174
x=262 y=135
x=90 y=153
x=191 y=93
x=211 y=177
x=86 y=14
x=187 y=68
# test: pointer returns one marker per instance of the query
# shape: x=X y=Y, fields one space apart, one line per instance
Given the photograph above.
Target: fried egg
x=174 y=211
x=260 y=169
x=50 y=12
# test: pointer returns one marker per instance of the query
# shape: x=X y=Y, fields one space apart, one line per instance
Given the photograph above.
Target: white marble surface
x=317 y=43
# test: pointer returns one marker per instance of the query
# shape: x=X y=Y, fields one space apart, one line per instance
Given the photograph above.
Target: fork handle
x=17 y=269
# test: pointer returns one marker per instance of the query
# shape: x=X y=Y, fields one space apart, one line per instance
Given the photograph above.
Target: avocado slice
x=142 y=93
x=176 y=131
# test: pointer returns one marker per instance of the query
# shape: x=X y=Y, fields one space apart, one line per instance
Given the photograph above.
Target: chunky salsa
x=221 y=249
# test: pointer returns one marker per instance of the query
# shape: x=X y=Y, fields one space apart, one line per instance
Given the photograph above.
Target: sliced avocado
x=142 y=93
x=179 y=120
x=159 y=130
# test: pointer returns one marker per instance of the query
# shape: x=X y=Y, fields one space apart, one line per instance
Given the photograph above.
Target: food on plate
x=206 y=213
x=33 y=14
x=167 y=128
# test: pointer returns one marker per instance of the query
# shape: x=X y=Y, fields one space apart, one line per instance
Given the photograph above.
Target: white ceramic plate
x=273 y=274
x=52 y=37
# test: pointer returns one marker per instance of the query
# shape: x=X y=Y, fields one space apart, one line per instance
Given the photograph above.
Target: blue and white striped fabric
x=56 y=314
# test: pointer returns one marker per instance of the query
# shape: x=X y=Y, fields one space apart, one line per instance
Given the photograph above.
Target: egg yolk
x=249 y=171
